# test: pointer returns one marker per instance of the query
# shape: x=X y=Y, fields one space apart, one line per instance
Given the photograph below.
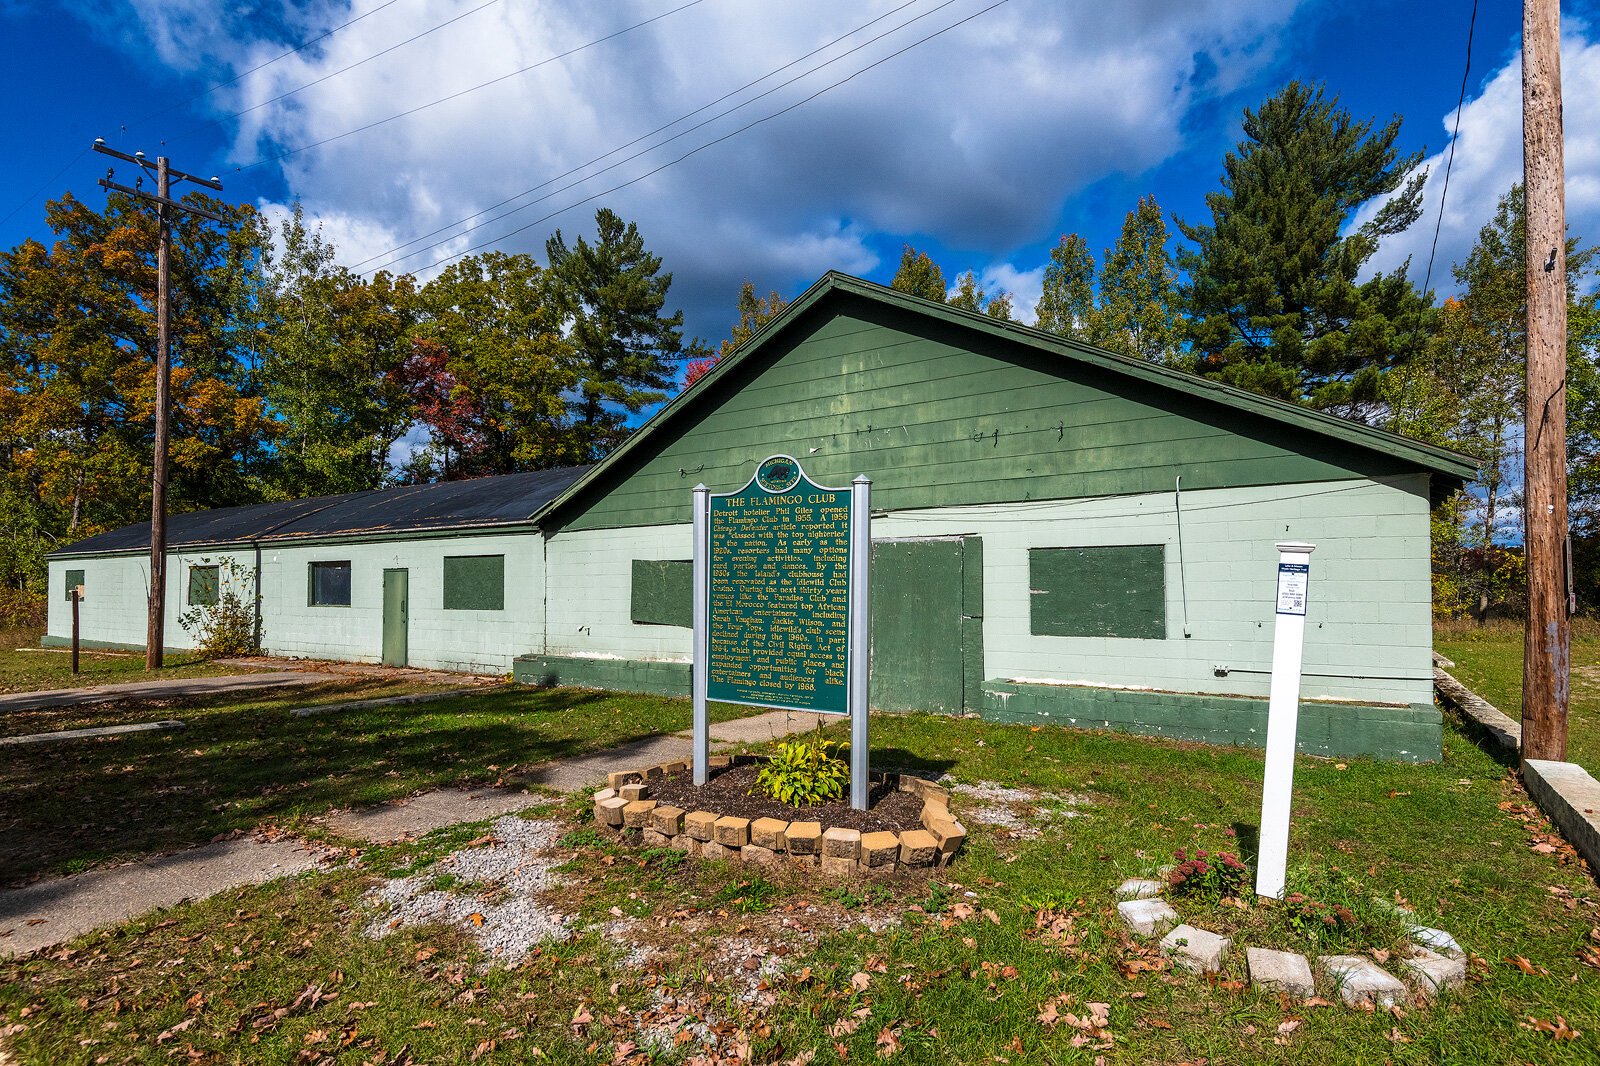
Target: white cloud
x=975 y=138
x=1489 y=161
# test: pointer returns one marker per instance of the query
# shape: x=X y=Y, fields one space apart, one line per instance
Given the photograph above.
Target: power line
x=681 y=133
x=1451 y=159
x=334 y=74
x=727 y=136
x=302 y=46
x=457 y=95
x=630 y=144
x=34 y=195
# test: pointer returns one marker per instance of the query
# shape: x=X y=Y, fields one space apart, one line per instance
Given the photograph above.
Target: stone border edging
x=624 y=804
x=1503 y=730
x=1570 y=797
x=99 y=731
x=395 y=701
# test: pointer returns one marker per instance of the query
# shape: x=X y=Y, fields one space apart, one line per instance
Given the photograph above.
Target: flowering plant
x=1207 y=874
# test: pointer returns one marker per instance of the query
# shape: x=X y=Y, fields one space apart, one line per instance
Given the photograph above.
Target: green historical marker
x=779 y=592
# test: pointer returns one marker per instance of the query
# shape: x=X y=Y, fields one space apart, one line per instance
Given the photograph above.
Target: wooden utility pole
x=155 y=626
x=1546 y=641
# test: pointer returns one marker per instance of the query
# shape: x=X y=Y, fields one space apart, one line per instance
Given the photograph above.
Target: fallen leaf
x=861 y=981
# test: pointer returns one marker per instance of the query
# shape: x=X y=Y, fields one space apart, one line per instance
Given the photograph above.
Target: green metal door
x=395 y=613
x=927 y=624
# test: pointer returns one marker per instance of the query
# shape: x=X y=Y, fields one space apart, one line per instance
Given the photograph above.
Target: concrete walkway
x=163 y=689
x=66 y=907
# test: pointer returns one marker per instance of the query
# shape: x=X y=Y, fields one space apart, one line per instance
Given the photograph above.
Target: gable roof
x=1451 y=465
x=476 y=503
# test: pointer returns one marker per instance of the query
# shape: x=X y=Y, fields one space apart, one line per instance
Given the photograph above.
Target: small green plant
x=1329 y=907
x=803 y=773
x=748 y=897
x=1207 y=875
x=851 y=898
x=587 y=837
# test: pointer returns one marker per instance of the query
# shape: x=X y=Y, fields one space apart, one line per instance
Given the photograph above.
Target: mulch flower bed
x=734 y=791
x=907 y=827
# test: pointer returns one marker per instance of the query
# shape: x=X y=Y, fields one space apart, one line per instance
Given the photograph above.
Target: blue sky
x=980 y=146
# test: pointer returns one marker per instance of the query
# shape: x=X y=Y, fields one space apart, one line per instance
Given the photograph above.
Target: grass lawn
x=244 y=761
x=1488 y=660
x=980 y=964
x=26 y=667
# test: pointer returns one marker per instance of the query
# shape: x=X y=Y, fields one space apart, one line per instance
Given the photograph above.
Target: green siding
x=204 y=586
x=663 y=592
x=1112 y=591
x=1405 y=734
x=474 y=582
x=940 y=415
x=615 y=675
x=74 y=579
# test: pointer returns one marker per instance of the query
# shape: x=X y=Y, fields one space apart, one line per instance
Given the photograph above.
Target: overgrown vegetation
x=229 y=625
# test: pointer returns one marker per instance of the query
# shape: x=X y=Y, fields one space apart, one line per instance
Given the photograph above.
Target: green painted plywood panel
x=204 y=585
x=74 y=579
x=663 y=592
x=940 y=416
x=1110 y=591
x=971 y=623
x=917 y=626
x=474 y=582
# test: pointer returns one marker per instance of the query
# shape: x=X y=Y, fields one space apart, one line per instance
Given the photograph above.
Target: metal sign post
x=702 y=633
x=860 y=628
x=1283 y=715
x=77 y=598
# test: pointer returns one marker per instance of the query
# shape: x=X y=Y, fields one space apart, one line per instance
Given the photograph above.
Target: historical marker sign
x=779 y=597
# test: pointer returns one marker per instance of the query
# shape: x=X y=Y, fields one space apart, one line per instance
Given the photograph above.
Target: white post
x=702 y=630
x=1283 y=716
x=860 y=635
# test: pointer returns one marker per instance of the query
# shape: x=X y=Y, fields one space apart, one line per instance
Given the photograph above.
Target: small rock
x=1437 y=940
x=1429 y=973
x=1359 y=981
x=1139 y=888
x=1148 y=917
x=1195 y=950
x=1280 y=971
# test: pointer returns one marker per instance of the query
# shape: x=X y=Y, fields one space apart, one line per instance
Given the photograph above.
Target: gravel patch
x=511 y=870
x=1024 y=813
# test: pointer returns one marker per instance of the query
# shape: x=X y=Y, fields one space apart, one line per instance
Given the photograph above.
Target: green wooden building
x=1060 y=535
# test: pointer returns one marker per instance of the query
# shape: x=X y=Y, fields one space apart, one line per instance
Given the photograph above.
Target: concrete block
x=1570 y=797
x=918 y=847
x=951 y=834
x=805 y=862
x=618 y=778
x=1436 y=940
x=757 y=853
x=604 y=794
x=1139 y=888
x=841 y=843
x=636 y=815
x=768 y=833
x=668 y=821
x=732 y=832
x=1429 y=973
x=838 y=866
x=609 y=811
x=718 y=762
x=1359 y=981
x=651 y=773
x=634 y=792
x=654 y=839
x=677 y=766
x=803 y=838
x=879 y=849
x=700 y=825
x=685 y=843
x=1148 y=917
x=1280 y=971
x=1195 y=950
x=710 y=849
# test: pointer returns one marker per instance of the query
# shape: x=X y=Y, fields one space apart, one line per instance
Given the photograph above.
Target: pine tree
x=1273 y=301
x=919 y=276
x=1067 y=302
x=612 y=294
x=1137 y=313
x=754 y=312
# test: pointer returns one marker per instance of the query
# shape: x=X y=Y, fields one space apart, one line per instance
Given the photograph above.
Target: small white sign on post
x=1283 y=715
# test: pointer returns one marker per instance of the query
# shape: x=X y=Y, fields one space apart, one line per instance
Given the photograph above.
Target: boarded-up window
x=203 y=586
x=330 y=584
x=663 y=592
x=74 y=579
x=475 y=582
x=1118 y=591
